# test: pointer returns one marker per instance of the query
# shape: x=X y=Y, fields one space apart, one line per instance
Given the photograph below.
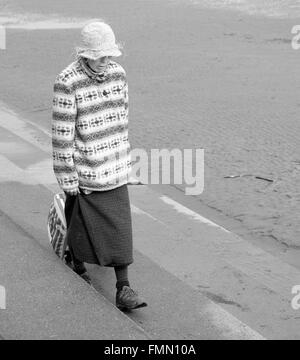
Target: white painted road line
x=40 y=22
x=139 y=211
x=190 y=213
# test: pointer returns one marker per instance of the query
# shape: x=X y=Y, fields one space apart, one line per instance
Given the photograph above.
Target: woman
x=92 y=160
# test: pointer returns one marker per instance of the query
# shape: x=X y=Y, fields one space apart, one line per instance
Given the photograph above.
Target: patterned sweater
x=90 y=128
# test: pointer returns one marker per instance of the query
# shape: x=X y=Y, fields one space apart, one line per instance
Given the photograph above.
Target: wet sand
x=211 y=79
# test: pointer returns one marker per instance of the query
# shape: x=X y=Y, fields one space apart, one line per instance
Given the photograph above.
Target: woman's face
x=99 y=64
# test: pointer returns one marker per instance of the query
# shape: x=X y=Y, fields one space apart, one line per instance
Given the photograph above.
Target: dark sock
x=122 y=276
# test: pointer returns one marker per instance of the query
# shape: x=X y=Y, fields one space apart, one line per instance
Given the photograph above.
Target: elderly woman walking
x=91 y=157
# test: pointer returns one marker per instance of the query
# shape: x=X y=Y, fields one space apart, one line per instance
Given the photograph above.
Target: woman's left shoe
x=85 y=276
x=128 y=299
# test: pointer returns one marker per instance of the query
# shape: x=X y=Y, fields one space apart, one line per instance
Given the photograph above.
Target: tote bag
x=57 y=227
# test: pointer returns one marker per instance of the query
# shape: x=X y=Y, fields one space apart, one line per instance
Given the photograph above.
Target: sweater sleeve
x=64 y=113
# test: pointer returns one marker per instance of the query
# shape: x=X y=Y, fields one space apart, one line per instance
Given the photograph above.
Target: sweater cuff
x=69 y=183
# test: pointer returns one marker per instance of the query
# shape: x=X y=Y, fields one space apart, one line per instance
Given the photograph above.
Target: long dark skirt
x=100 y=227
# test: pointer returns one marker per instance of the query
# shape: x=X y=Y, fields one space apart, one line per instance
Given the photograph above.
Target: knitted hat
x=97 y=40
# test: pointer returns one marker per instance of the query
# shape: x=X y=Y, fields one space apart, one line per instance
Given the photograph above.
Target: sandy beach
x=223 y=81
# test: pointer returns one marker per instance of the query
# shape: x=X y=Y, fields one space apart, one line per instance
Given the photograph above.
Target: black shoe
x=85 y=276
x=82 y=272
x=68 y=258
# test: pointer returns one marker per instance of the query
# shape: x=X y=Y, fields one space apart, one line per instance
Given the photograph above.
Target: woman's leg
x=121 y=276
x=126 y=298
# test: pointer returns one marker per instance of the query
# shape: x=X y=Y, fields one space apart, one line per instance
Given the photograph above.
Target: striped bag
x=57 y=227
